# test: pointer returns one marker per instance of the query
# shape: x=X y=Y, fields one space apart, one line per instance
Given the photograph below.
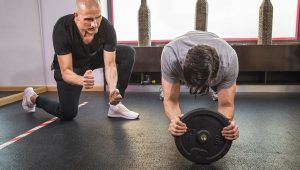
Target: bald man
x=82 y=42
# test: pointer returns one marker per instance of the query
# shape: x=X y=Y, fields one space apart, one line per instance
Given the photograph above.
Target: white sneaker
x=27 y=105
x=120 y=110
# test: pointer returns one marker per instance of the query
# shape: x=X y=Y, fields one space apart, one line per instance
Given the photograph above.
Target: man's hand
x=177 y=127
x=114 y=97
x=231 y=132
x=88 y=79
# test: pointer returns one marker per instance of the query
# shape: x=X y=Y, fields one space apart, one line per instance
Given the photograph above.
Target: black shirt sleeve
x=111 y=38
x=61 y=39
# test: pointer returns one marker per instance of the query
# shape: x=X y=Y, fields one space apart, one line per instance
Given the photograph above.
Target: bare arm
x=111 y=76
x=111 y=73
x=66 y=68
x=226 y=101
x=226 y=107
x=171 y=96
x=172 y=108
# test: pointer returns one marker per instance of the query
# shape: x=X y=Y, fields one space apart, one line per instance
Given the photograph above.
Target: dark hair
x=200 y=65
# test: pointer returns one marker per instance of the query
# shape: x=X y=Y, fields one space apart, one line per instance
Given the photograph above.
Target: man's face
x=88 y=20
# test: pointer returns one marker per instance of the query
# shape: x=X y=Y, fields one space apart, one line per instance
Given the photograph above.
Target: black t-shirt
x=67 y=39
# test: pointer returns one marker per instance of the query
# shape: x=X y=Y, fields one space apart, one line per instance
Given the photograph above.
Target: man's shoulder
x=106 y=23
x=168 y=50
x=65 y=20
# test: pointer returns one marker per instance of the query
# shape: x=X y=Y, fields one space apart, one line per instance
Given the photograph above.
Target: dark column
x=144 y=24
x=201 y=15
x=265 y=23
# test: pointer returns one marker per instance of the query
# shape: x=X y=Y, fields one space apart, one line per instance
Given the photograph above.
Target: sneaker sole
x=125 y=117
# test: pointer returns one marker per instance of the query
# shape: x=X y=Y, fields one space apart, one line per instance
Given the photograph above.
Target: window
x=230 y=19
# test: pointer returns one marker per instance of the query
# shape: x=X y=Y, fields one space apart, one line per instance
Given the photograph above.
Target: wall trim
x=240 y=88
x=145 y=88
x=17 y=88
x=19 y=96
x=38 y=89
x=96 y=88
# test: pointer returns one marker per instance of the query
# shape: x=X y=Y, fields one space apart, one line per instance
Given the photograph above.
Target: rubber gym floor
x=269 y=135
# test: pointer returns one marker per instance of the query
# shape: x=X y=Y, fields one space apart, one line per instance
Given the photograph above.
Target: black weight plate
x=203 y=142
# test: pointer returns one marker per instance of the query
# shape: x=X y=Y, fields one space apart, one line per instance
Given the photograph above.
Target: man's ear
x=76 y=16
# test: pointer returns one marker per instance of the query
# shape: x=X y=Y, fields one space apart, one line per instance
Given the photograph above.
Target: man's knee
x=130 y=58
x=130 y=52
x=68 y=114
x=127 y=51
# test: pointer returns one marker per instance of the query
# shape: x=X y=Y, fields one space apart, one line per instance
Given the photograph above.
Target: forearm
x=70 y=77
x=227 y=111
x=172 y=109
x=111 y=76
x=226 y=101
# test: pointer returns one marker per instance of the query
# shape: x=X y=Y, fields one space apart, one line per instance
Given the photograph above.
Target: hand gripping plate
x=203 y=142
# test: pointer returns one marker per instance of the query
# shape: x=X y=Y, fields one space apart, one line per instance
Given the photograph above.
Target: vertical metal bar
x=266 y=77
x=109 y=10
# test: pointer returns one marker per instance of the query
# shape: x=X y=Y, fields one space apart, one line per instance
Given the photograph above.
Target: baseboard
x=38 y=89
x=17 y=88
x=269 y=88
x=19 y=96
x=143 y=88
x=240 y=88
x=95 y=88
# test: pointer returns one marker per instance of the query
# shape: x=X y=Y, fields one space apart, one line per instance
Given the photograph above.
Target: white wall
x=21 y=61
x=26 y=49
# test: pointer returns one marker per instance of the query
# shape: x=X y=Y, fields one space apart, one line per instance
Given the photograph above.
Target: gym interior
x=264 y=34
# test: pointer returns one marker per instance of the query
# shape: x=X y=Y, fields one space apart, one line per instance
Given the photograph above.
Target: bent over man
x=202 y=60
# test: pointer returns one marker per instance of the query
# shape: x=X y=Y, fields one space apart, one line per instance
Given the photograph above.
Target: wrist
x=111 y=90
x=173 y=117
x=81 y=81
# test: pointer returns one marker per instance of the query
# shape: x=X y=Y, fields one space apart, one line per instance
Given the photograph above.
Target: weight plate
x=203 y=142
